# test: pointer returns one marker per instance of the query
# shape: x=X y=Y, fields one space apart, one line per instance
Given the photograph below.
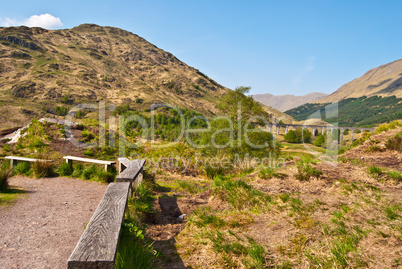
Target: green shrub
x=89 y=172
x=80 y=114
x=66 y=169
x=382 y=128
x=121 y=110
x=395 y=142
x=395 y=124
x=134 y=250
x=305 y=171
x=212 y=172
x=61 y=110
x=78 y=170
x=64 y=99
x=385 y=127
x=89 y=152
x=320 y=141
x=5 y=174
x=22 y=168
x=298 y=136
x=87 y=136
x=141 y=204
x=42 y=169
x=104 y=176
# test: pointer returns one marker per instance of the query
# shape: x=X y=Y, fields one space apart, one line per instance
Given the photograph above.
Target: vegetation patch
x=239 y=194
x=269 y=172
x=5 y=174
x=363 y=111
x=395 y=142
x=135 y=250
x=42 y=169
x=305 y=171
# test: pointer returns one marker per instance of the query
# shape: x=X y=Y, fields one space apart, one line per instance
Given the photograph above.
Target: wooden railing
x=97 y=246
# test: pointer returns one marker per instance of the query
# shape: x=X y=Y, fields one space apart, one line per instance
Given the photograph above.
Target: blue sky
x=278 y=47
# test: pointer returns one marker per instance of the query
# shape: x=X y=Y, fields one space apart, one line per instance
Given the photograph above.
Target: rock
x=51 y=111
x=18 y=41
x=26 y=111
x=23 y=90
x=297 y=159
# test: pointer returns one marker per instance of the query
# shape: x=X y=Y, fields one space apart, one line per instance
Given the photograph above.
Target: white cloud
x=46 y=21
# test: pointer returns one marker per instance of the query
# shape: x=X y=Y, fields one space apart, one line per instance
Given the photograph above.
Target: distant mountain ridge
x=374 y=98
x=385 y=81
x=287 y=101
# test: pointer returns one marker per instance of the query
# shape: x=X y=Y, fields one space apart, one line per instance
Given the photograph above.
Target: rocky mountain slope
x=41 y=69
x=385 y=81
x=287 y=101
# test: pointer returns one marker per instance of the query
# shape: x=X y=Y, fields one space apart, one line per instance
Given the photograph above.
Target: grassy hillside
x=361 y=111
x=42 y=69
x=91 y=63
x=385 y=81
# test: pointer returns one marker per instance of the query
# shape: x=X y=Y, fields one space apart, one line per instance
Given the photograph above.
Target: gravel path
x=42 y=228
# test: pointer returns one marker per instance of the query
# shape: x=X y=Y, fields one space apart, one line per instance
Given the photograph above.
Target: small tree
x=319 y=142
x=306 y=138
x=290 y=137
x=236 y=134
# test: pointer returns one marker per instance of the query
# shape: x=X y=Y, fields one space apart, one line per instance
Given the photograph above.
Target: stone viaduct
x=315 y=128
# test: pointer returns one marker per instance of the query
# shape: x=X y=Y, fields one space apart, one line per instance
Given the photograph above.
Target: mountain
x=375 y=97
x=286 y=102
x=41 y=70
x=385 y=80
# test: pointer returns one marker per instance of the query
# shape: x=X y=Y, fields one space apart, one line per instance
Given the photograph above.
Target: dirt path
x=42 y=228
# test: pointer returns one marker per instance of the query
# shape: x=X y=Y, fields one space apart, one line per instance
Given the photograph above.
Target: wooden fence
x=97 y=246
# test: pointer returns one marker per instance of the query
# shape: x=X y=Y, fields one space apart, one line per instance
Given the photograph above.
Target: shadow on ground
x=164 y=227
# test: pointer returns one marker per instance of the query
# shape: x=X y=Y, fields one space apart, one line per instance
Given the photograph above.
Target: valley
x=228 y=182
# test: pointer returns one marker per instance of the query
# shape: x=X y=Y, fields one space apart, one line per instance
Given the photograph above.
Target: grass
x=221 y=231
x=239 y=194
x=392 y=212
x=395 y=142
x=5 y=174
x=191 y=187
x=9 y=196
x=141 y=204
x=231 y=247
x=91 y=172
x=65 y=169
x=212 y=172
x=374 y=148
x=395 y=175
x=375 y=171
x=293 y=146
x=42 y=169
x=385 y=127
x=134 y=249
x=305 y=172
x=269 y=172
x=378 y=172
x=23 y=168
